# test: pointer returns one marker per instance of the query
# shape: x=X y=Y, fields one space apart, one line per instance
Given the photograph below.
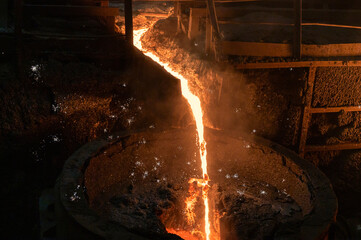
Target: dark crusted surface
x=315 y=224
x=137 y=180
x=254 y=210
x=141 y=182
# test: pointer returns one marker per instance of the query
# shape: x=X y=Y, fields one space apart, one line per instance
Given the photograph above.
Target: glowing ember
x=195 y=105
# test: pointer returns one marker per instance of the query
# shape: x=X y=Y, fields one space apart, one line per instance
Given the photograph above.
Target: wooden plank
x=287 y=24
x=128 y=15
x=307 y=14
x=213 y=18
x=194 y=21
x=333 y=147
x=208 y=44
x=306 y=111
x=285 y=50
x=157 y=15
x=332 y=50
x=297 y=41
x=62 y=10
x=331 y=25
x=256 y=49
x=183 y=28
x=254 y=23
x=300 y=64
x=335 y=109
x=178 y=13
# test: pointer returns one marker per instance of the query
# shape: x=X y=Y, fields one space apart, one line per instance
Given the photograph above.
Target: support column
x=178 y=13
x=306 y=111
x=209 y=38
x=128 y=14
x=19 y=37
x=193 y=27
x=213 y=17
x=297 y=42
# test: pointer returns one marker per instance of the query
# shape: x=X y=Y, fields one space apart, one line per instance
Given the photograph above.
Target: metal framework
x=308 y=110
x=295 y=49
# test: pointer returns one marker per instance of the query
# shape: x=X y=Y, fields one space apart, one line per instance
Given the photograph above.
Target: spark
x=35 y=68
x=56 y=138
x=241 y=193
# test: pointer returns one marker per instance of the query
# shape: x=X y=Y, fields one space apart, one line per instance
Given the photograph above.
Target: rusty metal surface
x=298 y=64
x=306 y=111
x=332 y=147
x=297 y=42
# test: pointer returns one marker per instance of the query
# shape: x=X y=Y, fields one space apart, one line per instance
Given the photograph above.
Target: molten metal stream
x=195 y=105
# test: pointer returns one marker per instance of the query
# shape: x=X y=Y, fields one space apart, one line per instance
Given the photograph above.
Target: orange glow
x=195 y=105
x=191 y=201
x=185 y=234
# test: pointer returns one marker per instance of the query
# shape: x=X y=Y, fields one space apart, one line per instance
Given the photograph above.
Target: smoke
x=266 y=103
x=218 y=87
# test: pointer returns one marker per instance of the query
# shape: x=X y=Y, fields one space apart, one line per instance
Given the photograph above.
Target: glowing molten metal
x=195 y=105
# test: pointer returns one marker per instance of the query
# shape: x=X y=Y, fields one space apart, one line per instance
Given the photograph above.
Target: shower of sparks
x=195 y=105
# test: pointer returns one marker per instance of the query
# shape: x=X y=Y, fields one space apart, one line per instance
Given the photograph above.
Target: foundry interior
x=190 y=119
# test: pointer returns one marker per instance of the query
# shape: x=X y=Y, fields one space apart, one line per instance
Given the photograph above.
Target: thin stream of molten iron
x=195 y=105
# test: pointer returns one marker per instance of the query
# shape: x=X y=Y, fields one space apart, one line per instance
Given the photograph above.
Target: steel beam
x=128 y=12
x=297 y=42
